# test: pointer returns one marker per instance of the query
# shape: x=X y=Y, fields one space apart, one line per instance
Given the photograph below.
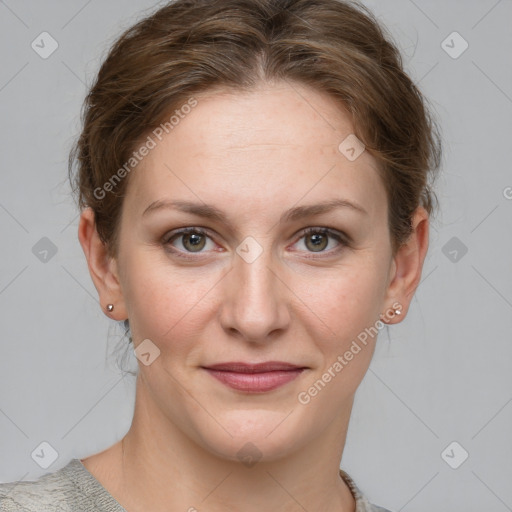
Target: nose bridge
x=255 y=305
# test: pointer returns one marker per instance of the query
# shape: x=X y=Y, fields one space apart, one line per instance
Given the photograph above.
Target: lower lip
x=255 y=382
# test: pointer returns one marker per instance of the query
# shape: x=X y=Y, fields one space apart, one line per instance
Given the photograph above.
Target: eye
x=317 y=239
x=193 y=240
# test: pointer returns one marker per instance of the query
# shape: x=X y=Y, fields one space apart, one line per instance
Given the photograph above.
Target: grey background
x=442 y=375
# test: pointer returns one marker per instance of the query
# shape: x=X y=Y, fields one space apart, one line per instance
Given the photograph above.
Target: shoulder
x=366 y=506
x=55 y=492
x=375 y=508
x=72 y=488
x=8 y=504
x=362 y=503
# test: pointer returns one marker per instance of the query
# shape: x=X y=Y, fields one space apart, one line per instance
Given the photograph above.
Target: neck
x=158 y=467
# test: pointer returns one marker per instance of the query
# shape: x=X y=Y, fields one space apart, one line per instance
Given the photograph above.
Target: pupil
x=318 y=240
x=193 y=240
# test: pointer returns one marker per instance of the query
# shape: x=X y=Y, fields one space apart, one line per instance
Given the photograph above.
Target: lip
x=255 y=378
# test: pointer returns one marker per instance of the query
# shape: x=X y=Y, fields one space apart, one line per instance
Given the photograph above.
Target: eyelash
x=339 y=237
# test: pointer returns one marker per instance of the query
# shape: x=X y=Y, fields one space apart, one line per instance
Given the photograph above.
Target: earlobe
x=408 y=263
x=102 y=268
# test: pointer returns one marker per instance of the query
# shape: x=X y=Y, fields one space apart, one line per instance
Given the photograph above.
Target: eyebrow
x=213 y=213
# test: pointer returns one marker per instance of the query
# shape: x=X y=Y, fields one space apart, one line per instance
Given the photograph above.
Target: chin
x=252 y=435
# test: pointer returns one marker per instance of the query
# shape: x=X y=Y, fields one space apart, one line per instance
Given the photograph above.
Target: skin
x=253 y=155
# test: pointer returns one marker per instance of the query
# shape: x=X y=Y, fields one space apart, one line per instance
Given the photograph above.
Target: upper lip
x=241 y=367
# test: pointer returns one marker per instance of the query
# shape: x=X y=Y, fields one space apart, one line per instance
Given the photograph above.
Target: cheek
x=344 y=313
x=164 y=302
x=344 y=302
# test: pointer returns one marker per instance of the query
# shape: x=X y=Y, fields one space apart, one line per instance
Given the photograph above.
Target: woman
x=253 y=177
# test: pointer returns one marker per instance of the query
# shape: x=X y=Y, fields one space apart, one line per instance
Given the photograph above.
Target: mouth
x=255 y=378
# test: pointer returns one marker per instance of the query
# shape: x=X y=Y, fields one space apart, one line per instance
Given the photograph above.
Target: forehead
x=265 y=149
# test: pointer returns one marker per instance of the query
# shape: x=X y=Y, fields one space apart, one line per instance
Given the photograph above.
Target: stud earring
x=395 y=311
x=110 y=308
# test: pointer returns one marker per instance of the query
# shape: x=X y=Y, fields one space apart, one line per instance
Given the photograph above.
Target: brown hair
x=192 y=46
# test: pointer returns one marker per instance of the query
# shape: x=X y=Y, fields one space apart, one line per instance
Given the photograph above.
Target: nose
x=255 y=305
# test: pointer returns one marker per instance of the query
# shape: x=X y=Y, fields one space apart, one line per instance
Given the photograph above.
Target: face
x=248 y=282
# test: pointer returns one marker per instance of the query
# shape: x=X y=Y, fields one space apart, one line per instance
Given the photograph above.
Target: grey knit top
x=74 y=489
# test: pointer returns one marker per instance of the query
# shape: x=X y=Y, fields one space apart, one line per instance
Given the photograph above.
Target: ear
x=103 y=269
x=407 y=265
